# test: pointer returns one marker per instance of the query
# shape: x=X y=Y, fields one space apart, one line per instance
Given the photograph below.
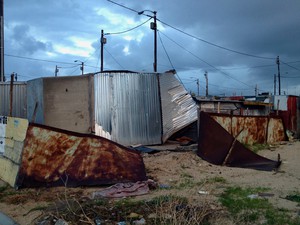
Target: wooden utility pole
x=206 y=89
x=1 y=42
x=274 y=84
x=103 y=42
x=278 y=67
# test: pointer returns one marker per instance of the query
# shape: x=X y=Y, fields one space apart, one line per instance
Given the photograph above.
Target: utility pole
x=274 y=84
x=103 y=42
x=255 y=90
x=81 y=67
x=278 y=67
x=198 y=84
x=154 y=27
x=2 y=79
x=56 y=70
x=206 y=79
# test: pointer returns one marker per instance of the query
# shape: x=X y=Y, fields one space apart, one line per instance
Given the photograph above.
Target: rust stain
x=255 y=129
x=54 y=157
x=217 y=146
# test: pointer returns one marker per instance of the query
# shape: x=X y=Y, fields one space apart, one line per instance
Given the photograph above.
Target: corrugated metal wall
x=127 y=107
x=19 y=99
x=179 y=108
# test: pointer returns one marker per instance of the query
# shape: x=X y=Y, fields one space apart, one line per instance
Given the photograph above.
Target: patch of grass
x=216 y=180
x=161 y=210
x=294 y=197
x=254 y=210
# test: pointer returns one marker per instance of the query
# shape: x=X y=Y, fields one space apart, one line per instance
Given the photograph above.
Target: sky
x=236 y=43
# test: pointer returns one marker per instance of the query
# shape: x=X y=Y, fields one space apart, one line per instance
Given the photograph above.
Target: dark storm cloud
x=266 y=28
x=25 y=43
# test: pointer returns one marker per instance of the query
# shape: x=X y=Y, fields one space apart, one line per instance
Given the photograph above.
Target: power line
x=122 y=32
x=35 y=59
x=207 y=62
x=215 y=45
x=114 y=58
x=123 y=6
x=168 y=57
x=289 y=65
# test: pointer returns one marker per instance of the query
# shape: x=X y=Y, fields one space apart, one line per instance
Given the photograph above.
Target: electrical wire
x=122 y=32
x=215 y=45
x=114 y=58
x=35 y=59
x=123 y=6
x=197 y=38
x=226 y=74
x=168 y=57
x=289 y=65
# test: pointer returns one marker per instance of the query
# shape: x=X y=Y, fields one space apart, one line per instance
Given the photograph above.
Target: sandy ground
x=170 y=169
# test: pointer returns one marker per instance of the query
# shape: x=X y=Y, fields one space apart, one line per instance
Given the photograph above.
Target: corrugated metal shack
x=62 y=102
x=234 y=107
x=141 y=108
x=288 y=107
x=19 y=106
x=127 y=107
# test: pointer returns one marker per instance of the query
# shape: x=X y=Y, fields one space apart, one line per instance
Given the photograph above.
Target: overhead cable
x=123 y=6
x=289 y=65
x=168 y=57
x=215 y=45
x=122 y=32
x=35 y=59
x=114 y=58
x=207 y=62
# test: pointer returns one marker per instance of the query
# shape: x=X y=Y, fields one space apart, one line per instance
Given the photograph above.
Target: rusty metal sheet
x=253 y=129
x=55 y=157
x=217 y=146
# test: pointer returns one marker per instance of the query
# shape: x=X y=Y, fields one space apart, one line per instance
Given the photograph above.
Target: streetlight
x=153 y=26
x=81 y=67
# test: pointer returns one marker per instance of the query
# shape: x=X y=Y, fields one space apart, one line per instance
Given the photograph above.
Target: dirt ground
x=175 y=168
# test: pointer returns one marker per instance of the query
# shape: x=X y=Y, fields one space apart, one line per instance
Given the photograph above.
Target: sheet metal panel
x=13 y=134
x=217 y=146
x=178 y=107
x=19 y=99
x=54 y=157
x=127 y=106
x=252 y=129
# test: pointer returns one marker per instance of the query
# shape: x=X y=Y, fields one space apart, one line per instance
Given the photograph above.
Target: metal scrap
x=55 y=157
x=217 y=146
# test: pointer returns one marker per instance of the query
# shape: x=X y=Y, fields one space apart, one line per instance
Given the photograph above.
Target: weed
x=216 y=180
x=294 y=197
x=253 y=210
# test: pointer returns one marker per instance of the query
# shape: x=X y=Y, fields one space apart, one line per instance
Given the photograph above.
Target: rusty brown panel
x=54 y=157
x=217 y=146
x=252 y=129
x=276 y=132
x=224 y=120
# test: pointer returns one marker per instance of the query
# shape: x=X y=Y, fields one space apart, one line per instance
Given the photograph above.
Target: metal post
x=12 y=77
